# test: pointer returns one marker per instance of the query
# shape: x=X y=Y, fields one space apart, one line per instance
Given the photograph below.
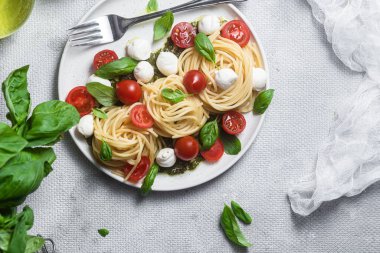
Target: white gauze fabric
x=349 y=160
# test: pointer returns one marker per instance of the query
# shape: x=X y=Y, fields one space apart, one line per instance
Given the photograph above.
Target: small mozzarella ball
x=167 y=63
x=224 y=78
x=139 y=49
x=259 y=79
x=143 y=72
x=86 y=126
x=166 y=157
x=209 y=24
x=96 y=79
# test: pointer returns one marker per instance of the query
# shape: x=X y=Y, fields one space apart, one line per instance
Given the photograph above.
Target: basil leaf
x=10 y=143
x=262 y=101
x=99 y=113
x=240 y=213
x=103 y=232
x=34 y=244
x=152 y=6
x=105 y=95
x=146 y=187
x=173 y=96
x=48 y=121
x=123 y=66
x=163 y=25
x=209 y=134
x=231 y=143
x=105 y=152
x=204 y=46
x=16 y=95
x=19 y=236
x=232 y=229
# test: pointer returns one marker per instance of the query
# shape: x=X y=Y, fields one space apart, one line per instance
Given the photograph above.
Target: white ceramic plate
x=76 y=67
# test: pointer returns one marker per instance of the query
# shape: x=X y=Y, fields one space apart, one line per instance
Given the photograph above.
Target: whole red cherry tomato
x=194 y=81
x=186 y=148
x=128 y=91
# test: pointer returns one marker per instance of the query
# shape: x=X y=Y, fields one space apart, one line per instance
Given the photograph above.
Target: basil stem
x=105 y=152
x=174 y=96
x=146 y=187
x=99 y=113
x=262 y=101
x=163 y=25
x=240 y=213
x=204 y=46
x=209 y=134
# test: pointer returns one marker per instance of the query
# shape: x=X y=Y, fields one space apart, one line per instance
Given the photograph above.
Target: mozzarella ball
x=86 y=126
x=166 y=157
x=259 y=79
x=139 y=49
x=225 y=78
x=167 y=63
x=95 y=79
x=209 y=24
x=143 y=72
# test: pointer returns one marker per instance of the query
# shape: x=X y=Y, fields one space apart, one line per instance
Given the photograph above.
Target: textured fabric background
x=77 y=199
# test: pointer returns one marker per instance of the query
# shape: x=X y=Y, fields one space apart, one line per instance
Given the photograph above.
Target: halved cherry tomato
x=128 y=91
x=140 y=171
x=186 y=148
x=237 y=31
x=233 y=122
x=183 y=35
x=81 y=99
x=140 y=117
x=103 y=57
x=215 y=152
x=194 y=81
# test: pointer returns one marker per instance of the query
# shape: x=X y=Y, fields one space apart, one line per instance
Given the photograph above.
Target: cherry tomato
x=140 y=117
x=103 y=57
x=183 y=35
x=215 y=152
x=81 y=99
x=194 y=81
x=237 y=31
x=186 y=148
x=128 y=91
x=233 y=122
x=140 y=171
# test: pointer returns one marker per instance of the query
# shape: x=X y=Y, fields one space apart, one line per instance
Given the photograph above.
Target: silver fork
x=112 y=27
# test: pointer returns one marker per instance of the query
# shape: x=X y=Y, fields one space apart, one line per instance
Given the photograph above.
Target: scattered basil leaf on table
x=105 y=95
x=105 y=152
x=209 y=134
x=163 y=25
x=231 y=228
x=240 y=213
x=174 y=96
x=231 y=143
x=262 y=101
x=103 y=232
x=123 y=66
x=99 y=113
x=152 y=6
x=10 y=143
x=204 y=46
x=146 y=186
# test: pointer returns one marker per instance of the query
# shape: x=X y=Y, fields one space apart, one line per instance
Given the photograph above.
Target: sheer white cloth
x=349 y=160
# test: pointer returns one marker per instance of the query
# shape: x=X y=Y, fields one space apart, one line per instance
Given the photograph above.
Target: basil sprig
x=123 y=66
x=209 y=134
x=103 y=232
x=152 y=6
x=99 y=113
x=163 y=25
x=146 y=186
x=173 y=96
x=204 y=46
x=262 y=101
x=105 y=152
x=240 y=213
x=231 y=143
x=105 y=95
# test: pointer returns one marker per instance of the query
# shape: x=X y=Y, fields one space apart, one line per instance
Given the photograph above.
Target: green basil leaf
x=16 y=95
x=34 y=244
x=48 y=121
x=105 y=152
x=204 y=46
x=240 y=213
x=146 y=187
x=231 y=228
x=152 y=6
x=5 y=237
x=105 y=95
x=10 y=143
x=123 y=66
x=173 y=96
x=231 y=143
x=262 y=101
x=19 y=236
x=103 y=232
x=209 y=134
x=99 y=113
x=163 y=25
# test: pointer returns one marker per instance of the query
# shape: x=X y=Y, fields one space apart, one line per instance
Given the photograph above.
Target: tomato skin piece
x=186 y=148
x=81 y=99
x=233 y=122
x=195 y=81
x=237 y=31
x=214 y=153
x=103 y=57
x=183 y=35
x=140 y=117
x=128 y=91
x=140 y=171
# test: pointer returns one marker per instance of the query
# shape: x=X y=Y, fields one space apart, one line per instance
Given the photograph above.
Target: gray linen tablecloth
x=77 y=199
